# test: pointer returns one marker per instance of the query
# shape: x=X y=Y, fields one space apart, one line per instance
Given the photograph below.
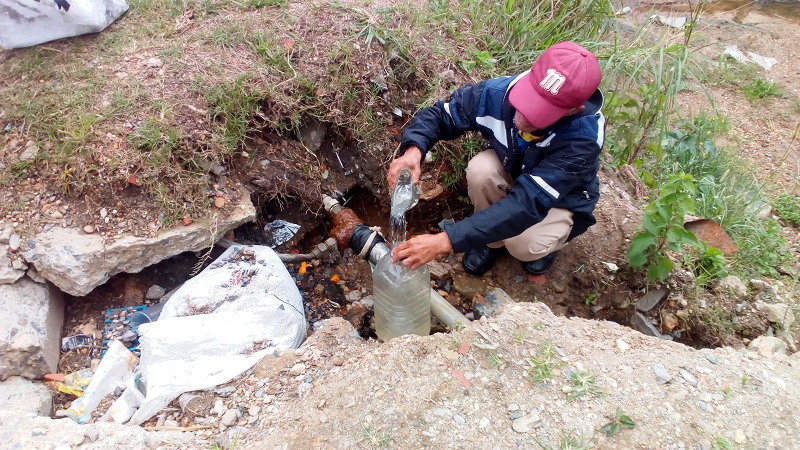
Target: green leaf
x=626 y=422
x=637 y=255
x=660 y=270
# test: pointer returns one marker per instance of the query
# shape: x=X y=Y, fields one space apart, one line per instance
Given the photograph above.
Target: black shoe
x=477 y=261
x=541 y=265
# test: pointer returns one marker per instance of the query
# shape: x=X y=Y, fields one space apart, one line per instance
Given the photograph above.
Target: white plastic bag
x=114 y=370
x=218 y=325
x=734 y=52
x=24 y=23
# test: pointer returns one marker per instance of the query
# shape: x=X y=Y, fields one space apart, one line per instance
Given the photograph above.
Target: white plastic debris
x=734 y=52
x=611 y=266
x=674 y=22
x=218 y=325
x=123 y=408
x=116 y=367
x=24 y=23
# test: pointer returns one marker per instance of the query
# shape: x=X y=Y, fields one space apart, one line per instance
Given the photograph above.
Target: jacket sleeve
x=534 y=193
x=444 y=121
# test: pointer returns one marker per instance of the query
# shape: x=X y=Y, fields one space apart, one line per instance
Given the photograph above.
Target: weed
x=721 y=443
x=234 y=104
x=788 y=207
x=567 y=440
x=539 y=326
x=745 y=380
x=719 y=322
x=519 y=337
x=373 y=437
x=258 y=4
x=583 y=383
x=590 y=299
x=760 y=89
x=619 y=421
x=544 y=362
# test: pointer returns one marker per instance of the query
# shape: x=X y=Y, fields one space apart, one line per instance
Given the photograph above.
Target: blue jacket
x=558 y=171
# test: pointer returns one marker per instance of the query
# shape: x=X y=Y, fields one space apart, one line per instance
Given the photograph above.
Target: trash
x=115 y=369
x=674 y=22
x=77 y=341
x=195 y=404
x=280 y=232
x=734 y=52
x=624 y=10
x=218 y=325
x=24 y=23
x=117 y=325
x=149 y=314
x=611 y=266
x=75 y=383
x=123 y=408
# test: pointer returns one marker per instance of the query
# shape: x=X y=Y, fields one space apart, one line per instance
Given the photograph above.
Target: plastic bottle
x=402 y=296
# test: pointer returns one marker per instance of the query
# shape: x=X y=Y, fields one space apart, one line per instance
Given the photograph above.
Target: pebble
x=441 y=412
x=485 y=422
x=527 y=423
x=259 y=393
x=515 y=416
x=702 y=405
x=225 y=391
x=688 y=377
x=230 y=417
x=739 y=436
x=14 y=242
x=171 y=423
x=459 y=420
x=254 y=410
x=513 y=407
x=89 y=229
x=297 y=369
x=154 y=63
x=711 y=358
x=103 y=213
x=622 y=345
x=661 y=373
x=155 y=292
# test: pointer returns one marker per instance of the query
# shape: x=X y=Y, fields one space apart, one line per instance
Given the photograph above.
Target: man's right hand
x=411 y=159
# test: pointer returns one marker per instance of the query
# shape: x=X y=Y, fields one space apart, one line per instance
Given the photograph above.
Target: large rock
x=19 y=394
x=78 y=262
x=27 y=431
x=31 y=317
x=777 y=313
x=10 y=271
x=731 y=285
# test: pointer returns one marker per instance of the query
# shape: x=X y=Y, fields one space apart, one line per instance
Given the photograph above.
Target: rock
x=686 y=375
x=8 y=272
x=739 y=436
x=297 y=369
x=77 y=263
x=489 y=304
x=154 y=63
x=225 y=391
x=640 y=323
x=651 y=299
x=439 y=270
x=155 y=292
x=30 y=152
x=712 y=234
x=312 y=134
x=777 y=313
x=731 y=285
x=623 y=346
x=527 y=423
x=467 y=285
x=669 y=321
x=767 y=346
x=219 y=201
x=14 y=242
x=430 y=190
x=19 y=394
x=353 y=296
x=230 y=417
x=711 y=358
x=661 y=373
x=31 y=317
x=88 y=229
x=31 y=432
x=458 y=419
x=232 y=438
x=5 y=234
x=356 y=315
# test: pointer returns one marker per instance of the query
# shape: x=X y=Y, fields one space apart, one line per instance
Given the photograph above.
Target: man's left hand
x=421 y=249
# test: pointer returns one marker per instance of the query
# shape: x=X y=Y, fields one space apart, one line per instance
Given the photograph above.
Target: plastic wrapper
x=280 y=232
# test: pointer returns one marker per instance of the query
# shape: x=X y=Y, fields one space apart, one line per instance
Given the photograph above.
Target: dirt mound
x=487 y=386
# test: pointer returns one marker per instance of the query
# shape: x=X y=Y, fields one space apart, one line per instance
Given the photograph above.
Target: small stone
x=661 y=373
x=439 y=270
x=259 y=393
x=513 y=407
x=230 y=417
x=297 y=369
x=265 y=162
x=623 y=346
x=458 y=419
x=731 y=285
x=527 y=423
x=688 y=377
x=14 y=242
x=219 y=202
x=485 y=422
x=711 y=358
x=669 y=321
x=739 y=436
x=171 y=423
x=30 y=152
x=254 y=410
x=155 y=292
x=103 y=213
x=154 y=63
x=186 y=221
x=353 y=296
x=56 y=215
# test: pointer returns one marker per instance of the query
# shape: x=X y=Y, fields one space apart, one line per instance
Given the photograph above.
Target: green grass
x=567 y=440
x=582 y=383
x=544 y=362
x=721 y=443
x=373 y=437
x=761 y=89
x=788 y=207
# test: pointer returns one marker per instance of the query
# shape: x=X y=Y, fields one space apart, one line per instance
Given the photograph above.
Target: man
x=536 y=188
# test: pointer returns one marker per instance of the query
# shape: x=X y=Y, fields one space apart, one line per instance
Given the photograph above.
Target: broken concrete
x=31 y=317
x=21 y=395
x=9 y=268
x=78 y=262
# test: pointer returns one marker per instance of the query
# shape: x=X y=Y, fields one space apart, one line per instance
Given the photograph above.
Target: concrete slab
x=19 y=394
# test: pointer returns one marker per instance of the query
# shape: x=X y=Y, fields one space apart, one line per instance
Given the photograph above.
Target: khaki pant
x=488 y=182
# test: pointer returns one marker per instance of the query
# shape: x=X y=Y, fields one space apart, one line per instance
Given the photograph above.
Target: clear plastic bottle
x=402 y=296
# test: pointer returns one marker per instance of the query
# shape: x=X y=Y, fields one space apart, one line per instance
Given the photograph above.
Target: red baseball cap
x=563 y=77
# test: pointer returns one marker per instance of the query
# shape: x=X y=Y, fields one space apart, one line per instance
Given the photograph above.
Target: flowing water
x=404 y=197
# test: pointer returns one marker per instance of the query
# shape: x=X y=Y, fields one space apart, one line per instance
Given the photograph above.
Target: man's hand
x=411 y=159
x=421 y=249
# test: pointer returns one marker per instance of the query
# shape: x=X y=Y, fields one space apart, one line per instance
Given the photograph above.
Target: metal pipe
x=322 y=249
